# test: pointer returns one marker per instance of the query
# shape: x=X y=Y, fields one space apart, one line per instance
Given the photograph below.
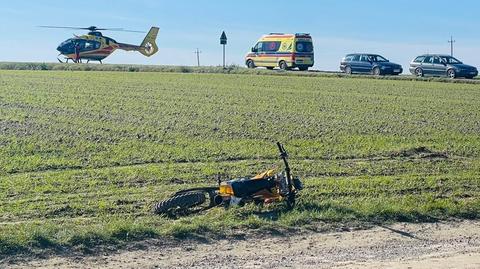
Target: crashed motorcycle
x=265 y=188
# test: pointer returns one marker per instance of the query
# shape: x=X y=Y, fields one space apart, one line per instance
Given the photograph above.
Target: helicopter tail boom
x=148 y=46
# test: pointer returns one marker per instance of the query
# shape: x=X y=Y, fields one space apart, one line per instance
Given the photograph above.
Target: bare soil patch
x=402 y=245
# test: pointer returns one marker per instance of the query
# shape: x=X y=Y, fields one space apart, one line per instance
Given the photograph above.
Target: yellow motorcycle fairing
x=268 y=173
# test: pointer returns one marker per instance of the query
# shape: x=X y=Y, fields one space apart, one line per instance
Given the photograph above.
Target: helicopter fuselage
x=92 y=47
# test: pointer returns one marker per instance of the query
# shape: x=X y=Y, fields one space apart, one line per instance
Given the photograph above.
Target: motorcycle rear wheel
x=180 y=202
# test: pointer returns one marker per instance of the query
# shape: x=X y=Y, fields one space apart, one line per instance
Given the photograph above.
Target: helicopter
x=94 y=46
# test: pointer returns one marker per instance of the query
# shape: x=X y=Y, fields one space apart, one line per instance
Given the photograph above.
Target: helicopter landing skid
x=67 y=59
x=79 y=61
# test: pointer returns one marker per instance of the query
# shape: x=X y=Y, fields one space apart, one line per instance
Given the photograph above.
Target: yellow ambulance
x=285 y=51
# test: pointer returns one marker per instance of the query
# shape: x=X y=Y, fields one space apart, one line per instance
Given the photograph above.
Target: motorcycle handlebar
x=284 y=156
x=283 y=152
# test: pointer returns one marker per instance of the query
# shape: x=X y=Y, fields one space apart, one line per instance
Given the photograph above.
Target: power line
x=451 y=41
x=197 y=52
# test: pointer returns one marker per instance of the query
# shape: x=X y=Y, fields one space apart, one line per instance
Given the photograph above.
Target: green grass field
x=84 y=155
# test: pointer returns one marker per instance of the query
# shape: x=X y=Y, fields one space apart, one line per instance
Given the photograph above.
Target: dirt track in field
x=432 y=245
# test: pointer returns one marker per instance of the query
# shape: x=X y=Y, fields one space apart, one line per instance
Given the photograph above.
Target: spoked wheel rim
x=283 y=65
x=419 y=72
x=376 y=71
x=451 y=73
x=348 y=70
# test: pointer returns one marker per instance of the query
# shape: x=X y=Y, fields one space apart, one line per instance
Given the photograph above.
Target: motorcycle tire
x=181 y=202
x=290 y=202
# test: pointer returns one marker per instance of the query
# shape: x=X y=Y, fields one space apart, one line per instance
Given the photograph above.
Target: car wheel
x=348 y=70
x=451 y=73
x=250 y=64
x=419 y=72
x=283 y=65
x=376 y=71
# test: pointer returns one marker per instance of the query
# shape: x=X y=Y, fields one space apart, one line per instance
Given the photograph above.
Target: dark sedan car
x=369 y=63
x=441 y=65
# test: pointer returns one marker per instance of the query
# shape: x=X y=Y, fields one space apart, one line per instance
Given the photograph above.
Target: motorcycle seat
x=245 y=187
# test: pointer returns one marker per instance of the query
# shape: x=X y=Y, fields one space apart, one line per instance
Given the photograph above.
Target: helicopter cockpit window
x=67 y=42
x=67 y=46
x=86 y=45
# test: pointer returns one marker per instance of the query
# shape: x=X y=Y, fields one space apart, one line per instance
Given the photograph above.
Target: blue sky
x=398 y=29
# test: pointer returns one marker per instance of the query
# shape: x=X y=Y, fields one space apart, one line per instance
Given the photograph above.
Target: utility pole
x=451 y=41
x=198 y=56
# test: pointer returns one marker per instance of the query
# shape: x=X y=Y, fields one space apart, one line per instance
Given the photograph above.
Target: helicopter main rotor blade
x=123 y=30
x=91 y=28
x=105 y=29
x=60 y=27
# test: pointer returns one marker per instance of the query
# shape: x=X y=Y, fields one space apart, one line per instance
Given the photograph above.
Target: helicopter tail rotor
x=149 y=44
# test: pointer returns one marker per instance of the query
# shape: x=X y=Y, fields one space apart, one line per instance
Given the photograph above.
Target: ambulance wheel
x=250 y=64
x=283 y=65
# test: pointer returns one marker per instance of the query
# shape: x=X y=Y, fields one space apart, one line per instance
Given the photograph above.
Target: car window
x=450 y=60
x=377 y=58
x=419 y=59
x=436 y=60
x=348 y=58
x=427 y=60
x=258 y=47
x=271 y=46
x=356 y=58
x=304 y=46
x=364 y=58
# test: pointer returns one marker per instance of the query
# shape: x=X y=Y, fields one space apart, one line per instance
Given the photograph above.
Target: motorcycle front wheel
x=290 y=201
